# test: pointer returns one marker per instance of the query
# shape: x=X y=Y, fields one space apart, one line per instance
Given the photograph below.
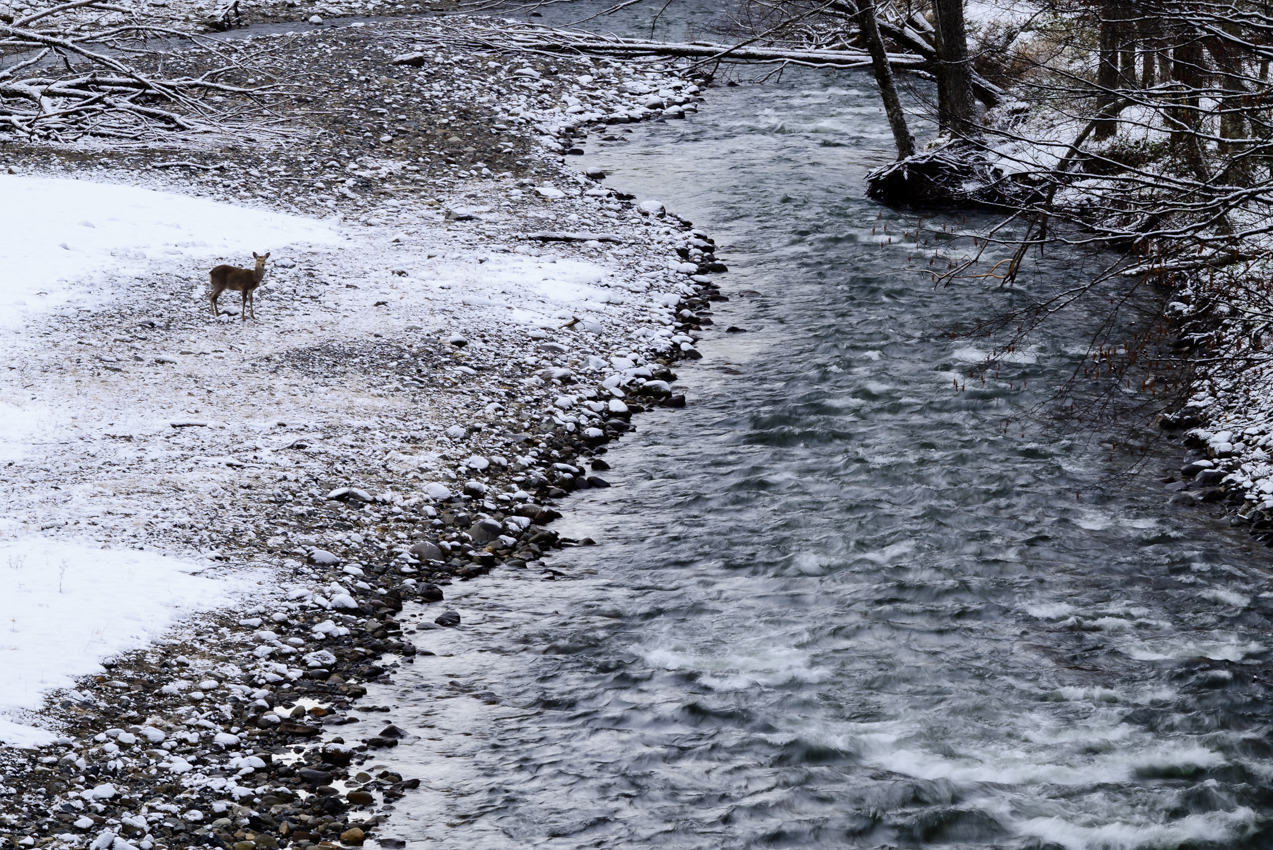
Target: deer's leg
x=252 y=302
x=214 y=302
x=243 y=308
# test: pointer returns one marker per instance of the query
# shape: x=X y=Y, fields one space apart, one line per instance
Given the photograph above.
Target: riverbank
x=454 y=324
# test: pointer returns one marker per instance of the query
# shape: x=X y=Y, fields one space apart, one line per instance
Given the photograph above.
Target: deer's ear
x=254 y=256
x=267 y=256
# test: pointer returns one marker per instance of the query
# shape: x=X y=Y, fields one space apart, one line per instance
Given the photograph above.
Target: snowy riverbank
x=442 y=351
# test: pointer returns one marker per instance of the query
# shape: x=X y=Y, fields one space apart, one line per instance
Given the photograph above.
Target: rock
x=359 y=797
x=414 y=60
x=457 y=432
x=457 y=340
x=430 y=592
x=448 y=619
x=323 y=558
x=353 y=835
x=426 y=550
x=656 y=388
x=315 y=20
x=436 y=491
x=594 y=481
x=654 y=208
x=351 y=494
x=595 y=173
x=1210 y=477
x=599 y=465
x=476 y=489
x=550 y=192
x=477 y=462
x=1195 y=467
x=392 y=731
x=310 y=776
x=484 y=531
x=674 y=401
x=616 y=406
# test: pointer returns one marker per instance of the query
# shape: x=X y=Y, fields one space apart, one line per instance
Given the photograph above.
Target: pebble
x=448 y=619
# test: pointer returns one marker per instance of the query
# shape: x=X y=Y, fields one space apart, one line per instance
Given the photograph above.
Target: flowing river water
x=833 y=603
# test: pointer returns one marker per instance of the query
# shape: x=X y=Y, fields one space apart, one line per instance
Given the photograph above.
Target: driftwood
x=538 y=39
x=558 y=236
x=956 y=175
x=68 y=83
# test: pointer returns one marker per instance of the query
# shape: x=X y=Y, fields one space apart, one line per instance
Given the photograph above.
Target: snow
x=58 y=233
x=64 y=607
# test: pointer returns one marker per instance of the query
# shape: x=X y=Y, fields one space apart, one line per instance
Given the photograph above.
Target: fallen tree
x=67 y=79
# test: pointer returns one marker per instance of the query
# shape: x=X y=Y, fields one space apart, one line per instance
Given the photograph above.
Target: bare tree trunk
x=1107 y=73
x=1150 y=33
x=954 y=75
x=884 y=79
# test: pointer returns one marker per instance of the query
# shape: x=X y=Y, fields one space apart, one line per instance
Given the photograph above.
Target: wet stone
x=448 y=619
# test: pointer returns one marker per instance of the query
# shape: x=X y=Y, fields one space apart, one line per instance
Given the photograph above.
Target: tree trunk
x=884 y=79
x=954 y=76
x=1107 y=75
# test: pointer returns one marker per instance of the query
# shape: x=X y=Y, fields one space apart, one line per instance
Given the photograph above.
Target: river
x=833 y=603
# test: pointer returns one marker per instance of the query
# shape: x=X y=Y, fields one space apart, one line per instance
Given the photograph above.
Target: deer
x=238 y=280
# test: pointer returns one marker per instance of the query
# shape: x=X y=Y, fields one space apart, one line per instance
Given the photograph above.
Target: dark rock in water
x=398 y=843
x=392 y=731
x=1212 y=495
x=1182 y=498
x=382 y=743
x=1176 y=486
x=600 y=465
x=594 y=481
x=1210 y=477
x=956 y=175
x=430 y=593
x=360 y=797
x=484 y=531
x=426 y=550
x=314 y=777
x=1192 y=469
x=1179 y=421
x=448 y=619
x=674 y=401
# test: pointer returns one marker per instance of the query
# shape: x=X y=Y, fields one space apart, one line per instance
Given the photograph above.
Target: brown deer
x=238 y=280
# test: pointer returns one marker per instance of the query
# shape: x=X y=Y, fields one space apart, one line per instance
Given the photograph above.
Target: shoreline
x=470 y=353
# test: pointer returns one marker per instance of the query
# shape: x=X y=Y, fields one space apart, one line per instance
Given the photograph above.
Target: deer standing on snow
x=238 y=280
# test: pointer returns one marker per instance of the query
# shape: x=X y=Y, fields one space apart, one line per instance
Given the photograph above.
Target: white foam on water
x=1165 y=650
x=1123 y=835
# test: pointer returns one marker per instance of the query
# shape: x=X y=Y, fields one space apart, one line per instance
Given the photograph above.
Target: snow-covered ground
x=133 y=419
x=66 y=605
